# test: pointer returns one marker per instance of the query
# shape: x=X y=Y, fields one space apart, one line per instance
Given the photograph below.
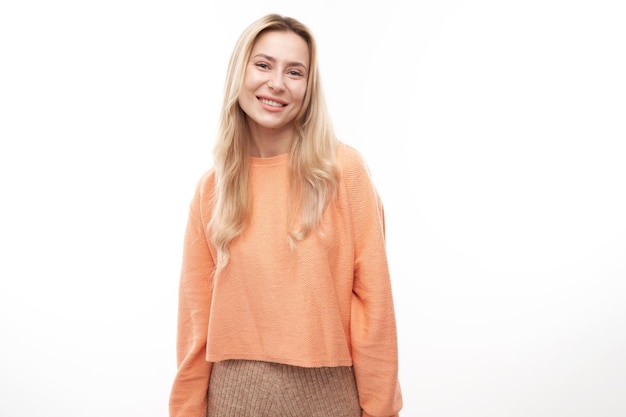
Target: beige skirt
x=242 y=388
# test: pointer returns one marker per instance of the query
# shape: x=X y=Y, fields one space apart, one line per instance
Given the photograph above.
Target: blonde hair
x=313 y=173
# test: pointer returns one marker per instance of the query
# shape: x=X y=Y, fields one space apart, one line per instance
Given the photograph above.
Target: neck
x=265 y=143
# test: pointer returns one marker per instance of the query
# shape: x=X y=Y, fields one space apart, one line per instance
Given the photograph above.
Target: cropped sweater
x=326 y=302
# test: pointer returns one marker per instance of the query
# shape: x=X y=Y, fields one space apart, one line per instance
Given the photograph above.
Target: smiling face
x=275 y=83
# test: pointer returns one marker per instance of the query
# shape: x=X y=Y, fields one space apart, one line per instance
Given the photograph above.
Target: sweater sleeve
x=372 y=323
x=188 y=397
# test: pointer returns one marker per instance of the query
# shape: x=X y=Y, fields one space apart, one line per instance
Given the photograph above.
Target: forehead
x=282 y=46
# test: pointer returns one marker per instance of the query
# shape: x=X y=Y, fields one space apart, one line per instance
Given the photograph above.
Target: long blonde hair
x=312 y=167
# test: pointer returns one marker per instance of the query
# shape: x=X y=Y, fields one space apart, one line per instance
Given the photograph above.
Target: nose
x=276 y=83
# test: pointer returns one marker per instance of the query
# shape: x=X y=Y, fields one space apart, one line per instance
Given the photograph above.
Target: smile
x=271 y=102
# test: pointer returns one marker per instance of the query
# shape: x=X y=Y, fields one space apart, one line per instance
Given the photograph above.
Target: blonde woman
x=285 y=301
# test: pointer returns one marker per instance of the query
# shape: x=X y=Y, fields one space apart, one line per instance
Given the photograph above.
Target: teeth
x=271 y=103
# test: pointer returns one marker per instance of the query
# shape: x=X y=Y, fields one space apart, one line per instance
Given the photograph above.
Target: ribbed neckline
x=271 y=161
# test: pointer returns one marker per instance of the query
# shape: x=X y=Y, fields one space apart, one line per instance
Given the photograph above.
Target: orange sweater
x=328 y=302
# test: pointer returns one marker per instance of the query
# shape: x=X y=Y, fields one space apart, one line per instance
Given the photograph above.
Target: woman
x=285 y=303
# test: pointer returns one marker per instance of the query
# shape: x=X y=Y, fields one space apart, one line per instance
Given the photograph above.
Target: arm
x=188 y=396
x=373 y=326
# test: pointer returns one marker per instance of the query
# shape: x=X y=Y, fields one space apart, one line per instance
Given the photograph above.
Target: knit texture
x=326 y=303
x=240 y=388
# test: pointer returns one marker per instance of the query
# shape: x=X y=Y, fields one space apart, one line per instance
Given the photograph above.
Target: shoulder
x=354 y=174
x=356 y=186
x=207 y=179
x=350 y=161
x=205 y=186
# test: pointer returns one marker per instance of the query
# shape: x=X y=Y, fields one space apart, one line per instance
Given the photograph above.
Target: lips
x=272 y=103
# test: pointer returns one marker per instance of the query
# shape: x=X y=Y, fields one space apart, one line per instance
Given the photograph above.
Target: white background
x=496 y=135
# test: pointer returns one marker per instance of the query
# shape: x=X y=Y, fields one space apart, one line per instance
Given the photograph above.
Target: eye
x=262 y=65
x=295 y=73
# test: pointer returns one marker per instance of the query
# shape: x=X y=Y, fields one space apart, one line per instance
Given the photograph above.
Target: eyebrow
x=272 y=59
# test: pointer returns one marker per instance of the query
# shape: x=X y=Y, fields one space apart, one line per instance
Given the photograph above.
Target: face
x=275 y=81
